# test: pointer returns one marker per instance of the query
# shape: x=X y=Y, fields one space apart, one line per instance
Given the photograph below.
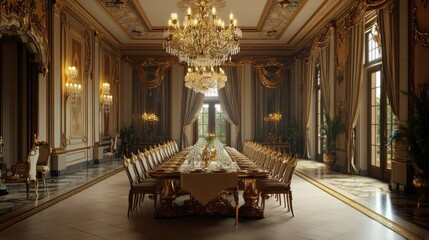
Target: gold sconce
x=73 y=89
x=106 y=98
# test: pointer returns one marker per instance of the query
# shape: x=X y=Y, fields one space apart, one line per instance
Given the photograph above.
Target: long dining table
x=173 y=175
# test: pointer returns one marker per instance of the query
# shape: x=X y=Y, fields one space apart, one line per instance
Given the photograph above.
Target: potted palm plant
x=417 y=134
x=127 y=138
x=330 y=130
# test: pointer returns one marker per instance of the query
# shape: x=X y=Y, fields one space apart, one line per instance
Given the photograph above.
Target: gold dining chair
x=281 y=186
x=138 y=190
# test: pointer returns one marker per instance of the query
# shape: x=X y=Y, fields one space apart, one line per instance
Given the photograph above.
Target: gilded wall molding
x=88 y=54
x=422 y=38
x=28 y=18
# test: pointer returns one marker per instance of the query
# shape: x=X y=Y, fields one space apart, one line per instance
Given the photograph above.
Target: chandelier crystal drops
x=203 y=40
x=201 y=79
x=73 y=89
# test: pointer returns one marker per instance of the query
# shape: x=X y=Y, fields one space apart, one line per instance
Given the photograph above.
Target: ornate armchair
x=25 y=172
x=43 y=162
x=113 y=148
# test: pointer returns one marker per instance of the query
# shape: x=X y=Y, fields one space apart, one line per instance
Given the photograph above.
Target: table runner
x=205 y=186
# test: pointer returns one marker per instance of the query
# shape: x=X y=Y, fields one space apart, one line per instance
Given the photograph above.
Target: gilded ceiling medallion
x=184 y=4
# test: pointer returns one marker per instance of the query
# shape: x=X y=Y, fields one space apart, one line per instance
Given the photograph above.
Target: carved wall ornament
x=342 y=38
x=88 y=54
x=374 y=4
x=28 y=17
x=64 y=140
x=419 y=37
x=59 y=4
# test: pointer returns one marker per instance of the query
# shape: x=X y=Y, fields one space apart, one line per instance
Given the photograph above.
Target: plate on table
x=164 y=169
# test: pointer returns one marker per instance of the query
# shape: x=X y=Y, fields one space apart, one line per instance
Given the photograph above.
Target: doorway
x=19 y=98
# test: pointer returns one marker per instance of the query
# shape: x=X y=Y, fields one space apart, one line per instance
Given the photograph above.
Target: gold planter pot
x=329 y=159
x=421 y=183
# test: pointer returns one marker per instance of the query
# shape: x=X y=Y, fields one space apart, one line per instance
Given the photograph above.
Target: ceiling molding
x=76 y=10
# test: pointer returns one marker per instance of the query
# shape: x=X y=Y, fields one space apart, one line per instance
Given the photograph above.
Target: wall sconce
x=73 y=89
x=106 y=98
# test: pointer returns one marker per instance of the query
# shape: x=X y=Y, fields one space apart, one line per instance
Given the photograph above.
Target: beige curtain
x=229 y=99
x=307 y=77
x=388 y=21
x=191 y=106
x=354 y=90
x=326 y=76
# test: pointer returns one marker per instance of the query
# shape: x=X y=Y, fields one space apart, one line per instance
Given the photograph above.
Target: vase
x=329 y=159
x=205 y=157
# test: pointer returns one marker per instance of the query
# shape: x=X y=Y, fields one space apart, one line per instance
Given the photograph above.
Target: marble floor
x=327 y=205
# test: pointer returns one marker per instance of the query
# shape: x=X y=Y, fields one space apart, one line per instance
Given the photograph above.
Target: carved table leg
x=250 y=207
x=168 y=207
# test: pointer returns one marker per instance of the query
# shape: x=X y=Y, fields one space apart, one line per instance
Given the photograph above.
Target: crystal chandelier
x=202 y=79
x=73 y=89
x=106 y=98
x=203 y=40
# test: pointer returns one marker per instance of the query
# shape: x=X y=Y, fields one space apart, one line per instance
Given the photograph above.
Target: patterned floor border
x=32 y=211
x=368 y=212
x=371 y=214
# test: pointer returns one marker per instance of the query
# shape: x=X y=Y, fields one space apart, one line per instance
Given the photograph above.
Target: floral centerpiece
x=207 y=150
x=210 y=138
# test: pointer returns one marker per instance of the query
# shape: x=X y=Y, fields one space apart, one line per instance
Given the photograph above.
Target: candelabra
x=150 y=120
x=273 y=120
x=73 y=89
x=150 y=117
x=106 y=98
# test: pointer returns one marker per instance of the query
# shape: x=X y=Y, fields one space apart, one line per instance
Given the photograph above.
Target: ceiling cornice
x=73 y=8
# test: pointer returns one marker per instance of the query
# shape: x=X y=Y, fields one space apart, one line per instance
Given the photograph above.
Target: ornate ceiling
x=267 y=26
